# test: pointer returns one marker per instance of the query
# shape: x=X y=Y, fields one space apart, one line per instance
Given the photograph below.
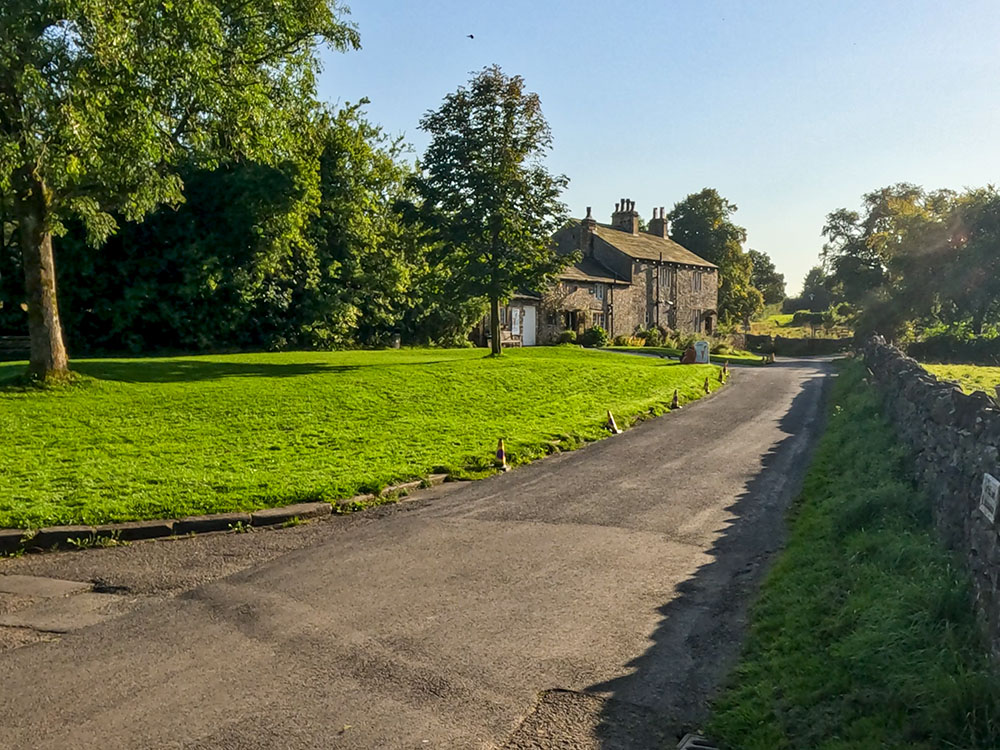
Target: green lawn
x=972 y=377
x=147 y=438
x=864 y=636
x=737 y=357
x=781 y=325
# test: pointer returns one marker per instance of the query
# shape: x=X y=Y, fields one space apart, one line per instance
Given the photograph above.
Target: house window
x=696 y=282
x=503 y=316
x=599 y=291
x=550 y=317
x=696 y=321
x=601 y=319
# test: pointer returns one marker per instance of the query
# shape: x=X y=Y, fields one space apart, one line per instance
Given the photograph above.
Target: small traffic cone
x=502 y=457
x=676 y=403
x=707 y=388
x=611 y=424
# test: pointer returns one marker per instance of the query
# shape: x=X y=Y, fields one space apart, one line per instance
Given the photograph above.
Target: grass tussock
x=864 y=634
x=166 y=437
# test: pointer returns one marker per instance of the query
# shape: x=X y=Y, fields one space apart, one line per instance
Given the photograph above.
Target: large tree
x=487 y=193
x=101 y=101
x=702 y=223
x=766 y=277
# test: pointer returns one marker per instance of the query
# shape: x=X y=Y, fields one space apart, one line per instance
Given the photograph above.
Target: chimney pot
x=617 y=205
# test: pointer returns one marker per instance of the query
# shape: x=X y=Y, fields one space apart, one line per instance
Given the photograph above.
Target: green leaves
x=104 y=100
x=485 y=190
x=701 y=223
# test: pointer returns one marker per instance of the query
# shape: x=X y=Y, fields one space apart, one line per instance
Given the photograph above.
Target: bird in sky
x=471 y=36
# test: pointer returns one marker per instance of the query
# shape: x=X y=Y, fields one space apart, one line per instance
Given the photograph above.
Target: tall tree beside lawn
x=702 y=223
x=100 y=102
x=486 y=192
x=766 y=277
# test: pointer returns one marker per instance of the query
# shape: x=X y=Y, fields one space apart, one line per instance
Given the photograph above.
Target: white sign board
x=991 y=495
x=701 y=352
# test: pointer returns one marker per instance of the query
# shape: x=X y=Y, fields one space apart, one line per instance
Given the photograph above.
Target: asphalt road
x=591 y=600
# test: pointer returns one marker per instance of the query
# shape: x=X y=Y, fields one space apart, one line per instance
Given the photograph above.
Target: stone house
x=624 y=280
x=627 y=279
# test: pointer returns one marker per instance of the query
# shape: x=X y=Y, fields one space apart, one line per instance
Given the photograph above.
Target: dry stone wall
x=956 y=440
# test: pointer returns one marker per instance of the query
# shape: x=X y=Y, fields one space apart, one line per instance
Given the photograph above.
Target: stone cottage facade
x=627 y=279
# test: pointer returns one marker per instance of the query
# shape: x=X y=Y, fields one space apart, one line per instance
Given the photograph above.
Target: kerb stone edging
x=63 y=537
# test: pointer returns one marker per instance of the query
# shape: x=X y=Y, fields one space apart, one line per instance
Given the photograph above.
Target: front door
x=528 y=326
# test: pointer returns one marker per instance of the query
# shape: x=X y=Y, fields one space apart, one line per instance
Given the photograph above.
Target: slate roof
x=649 y=247
x=590 y=269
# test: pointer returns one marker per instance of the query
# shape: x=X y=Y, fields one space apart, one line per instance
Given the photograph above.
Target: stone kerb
x=955 y=439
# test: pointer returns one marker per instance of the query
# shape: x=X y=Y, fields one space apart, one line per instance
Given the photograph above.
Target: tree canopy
x=486 y=193
x=915 y=259
x=702 y=223
x=102 y=103
x=765 y=277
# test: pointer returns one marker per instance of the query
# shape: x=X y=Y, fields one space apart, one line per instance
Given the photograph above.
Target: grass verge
x=159 y=438
x=971 y=377
x=737 y=357
x=864 y=634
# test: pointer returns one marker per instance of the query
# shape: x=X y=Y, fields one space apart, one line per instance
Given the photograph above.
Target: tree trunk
x=495 y=324
x=48 y=353
x=978 y=320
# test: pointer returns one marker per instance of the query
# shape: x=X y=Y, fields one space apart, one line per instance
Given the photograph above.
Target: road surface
x=591 y=600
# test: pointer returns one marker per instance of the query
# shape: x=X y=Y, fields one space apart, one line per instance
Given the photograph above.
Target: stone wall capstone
x=955 y=438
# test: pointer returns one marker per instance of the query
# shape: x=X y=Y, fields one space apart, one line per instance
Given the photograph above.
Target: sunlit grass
x=148 y=438
x=864 y=634
x=971 y=377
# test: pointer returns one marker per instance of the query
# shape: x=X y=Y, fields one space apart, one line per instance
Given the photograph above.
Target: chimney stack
x=587 y=227
x=660 y=224
x=625 y=218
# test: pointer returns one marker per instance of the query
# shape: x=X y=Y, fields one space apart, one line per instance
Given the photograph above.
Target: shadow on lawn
x=699 y=637
x=194 y=370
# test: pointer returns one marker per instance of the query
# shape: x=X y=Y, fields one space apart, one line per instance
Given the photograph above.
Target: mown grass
x=864 y=635
x=781 y=325
x=736 y=357
x=148 y=438
x=971 y=377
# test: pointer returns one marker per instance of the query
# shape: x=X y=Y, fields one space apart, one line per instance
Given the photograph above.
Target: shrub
x=684 y=340
x=652 y=337
x=567 y=337
x=803 y=318
x=594 y=337
x=623 y=340
x=721 y=347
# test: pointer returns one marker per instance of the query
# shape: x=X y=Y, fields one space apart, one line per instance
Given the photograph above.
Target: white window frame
x=601 y=319
x=599 y=291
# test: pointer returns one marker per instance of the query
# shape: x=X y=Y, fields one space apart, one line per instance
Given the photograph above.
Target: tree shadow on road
x=701 y=630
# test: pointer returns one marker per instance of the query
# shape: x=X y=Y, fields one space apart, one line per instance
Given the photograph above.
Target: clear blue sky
x=788 y=109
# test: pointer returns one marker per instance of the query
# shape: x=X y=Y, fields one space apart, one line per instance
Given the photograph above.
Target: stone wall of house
x=956 y=439
x=568 y=296
x=629 y=306
x=688 y=299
